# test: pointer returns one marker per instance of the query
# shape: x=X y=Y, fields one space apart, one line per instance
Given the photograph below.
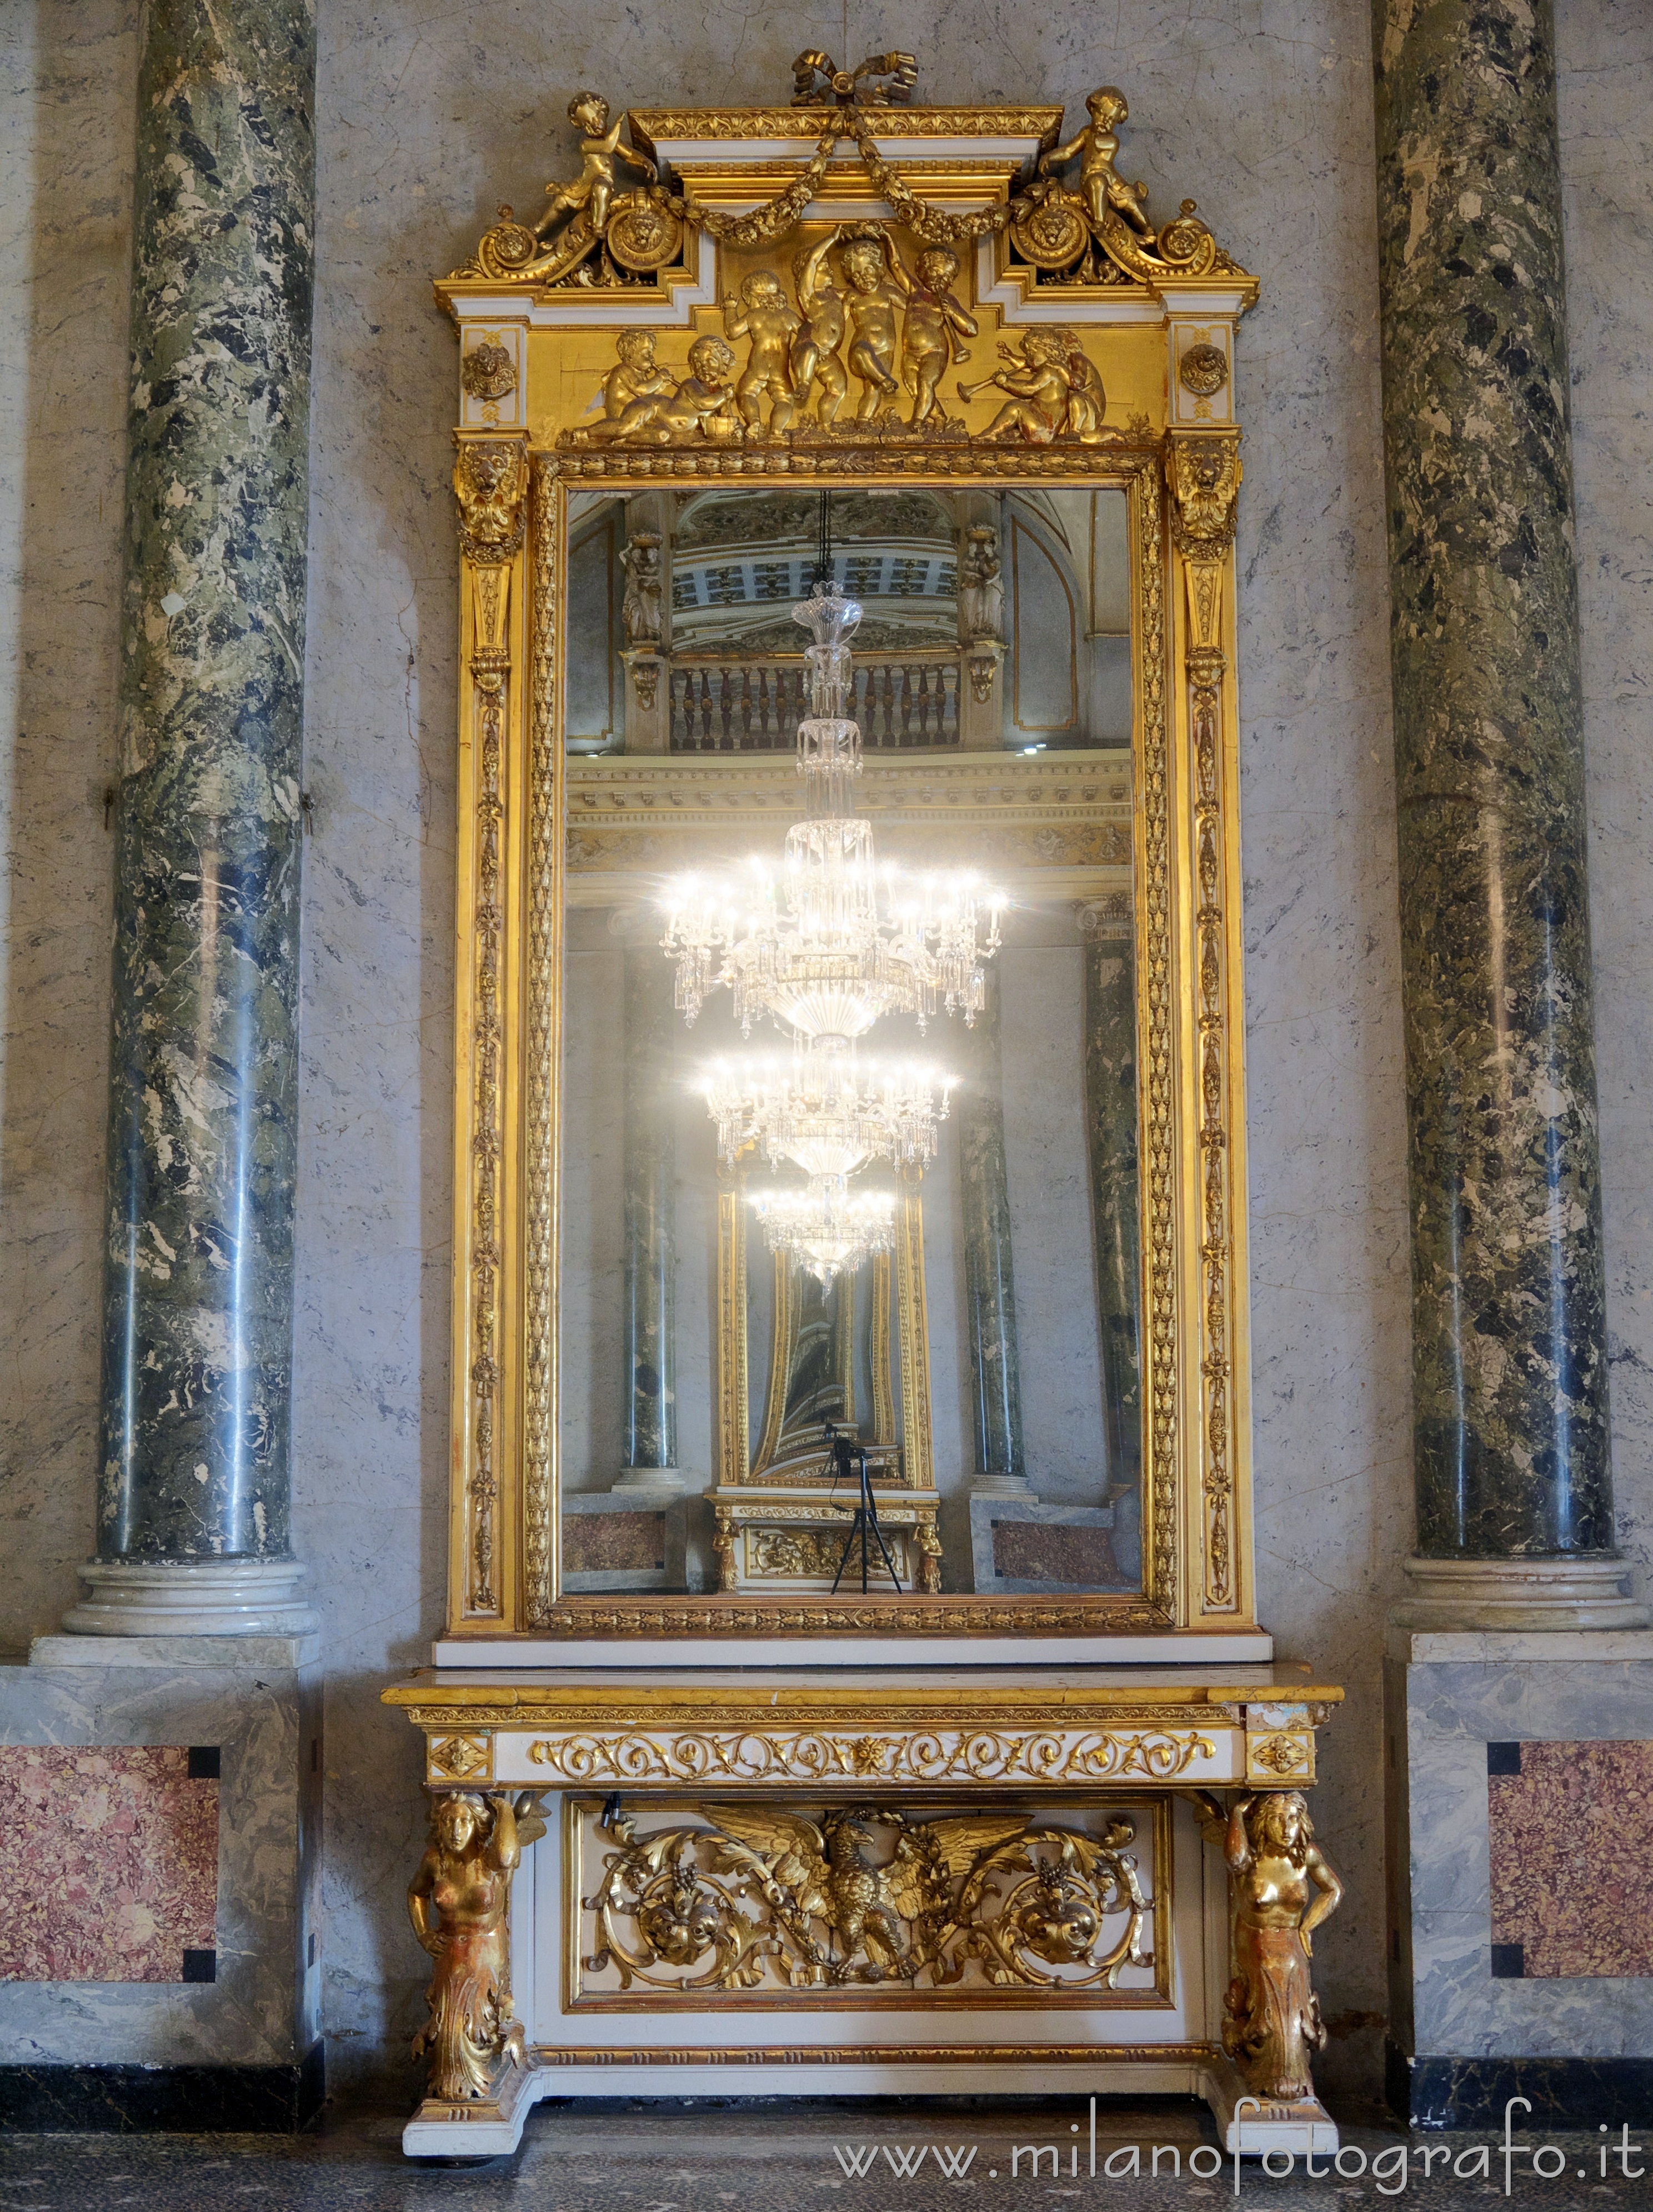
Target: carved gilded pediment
x=1060 y=216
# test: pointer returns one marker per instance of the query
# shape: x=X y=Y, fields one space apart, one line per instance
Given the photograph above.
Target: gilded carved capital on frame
x=490 y=482
x=1202 y=474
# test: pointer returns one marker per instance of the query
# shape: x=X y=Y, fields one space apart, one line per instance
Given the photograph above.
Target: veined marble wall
x=425 y=122
x=1604 y=52
x=68 y=141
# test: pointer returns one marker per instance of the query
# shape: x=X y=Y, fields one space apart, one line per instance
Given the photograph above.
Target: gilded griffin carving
x=862 y=1897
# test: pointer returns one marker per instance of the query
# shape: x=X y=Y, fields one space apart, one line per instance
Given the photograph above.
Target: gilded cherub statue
x=764 y=314
x=1054 y=388
x=635 y=375
x=601 y=154
x=873 y=302
x=457 y=1902
x=815 y=363
x=1281 y=1887
x=700 y=405
x=1101 y=186
x=937 y=326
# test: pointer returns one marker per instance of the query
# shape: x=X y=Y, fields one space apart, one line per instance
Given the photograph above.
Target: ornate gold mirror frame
x=1119 y=333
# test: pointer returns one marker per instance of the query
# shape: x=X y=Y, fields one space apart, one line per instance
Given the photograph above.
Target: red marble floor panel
x=1572 y=1836
x=121 y=1846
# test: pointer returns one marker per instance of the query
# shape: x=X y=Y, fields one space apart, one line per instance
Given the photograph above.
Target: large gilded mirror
x=851 y=1155
x=978 y=1328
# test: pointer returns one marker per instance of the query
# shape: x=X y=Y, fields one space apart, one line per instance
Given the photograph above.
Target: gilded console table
x=945 y=1882
x=934 y=384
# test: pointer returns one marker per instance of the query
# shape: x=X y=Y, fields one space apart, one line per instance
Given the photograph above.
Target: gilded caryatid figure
x=1281 y=1887
x=601 y=155
x=457 y=1902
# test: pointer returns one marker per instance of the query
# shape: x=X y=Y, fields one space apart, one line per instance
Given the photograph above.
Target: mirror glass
x=850 y=1218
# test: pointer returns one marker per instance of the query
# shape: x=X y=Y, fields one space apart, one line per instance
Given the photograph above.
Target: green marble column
x=1111 y=1101
x=1509 y=1348
x=198 y=1307
x=989 y=1271
x=650 y=1171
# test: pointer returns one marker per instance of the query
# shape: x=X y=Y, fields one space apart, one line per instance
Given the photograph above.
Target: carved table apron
x=842 y=1882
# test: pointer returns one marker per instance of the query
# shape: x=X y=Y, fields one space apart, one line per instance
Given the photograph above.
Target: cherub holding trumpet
x=1052 y=387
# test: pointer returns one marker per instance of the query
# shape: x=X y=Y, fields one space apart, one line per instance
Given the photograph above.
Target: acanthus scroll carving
x=490 y=482
x=1202 y=474
x=927 y=1754
x=739 y=1898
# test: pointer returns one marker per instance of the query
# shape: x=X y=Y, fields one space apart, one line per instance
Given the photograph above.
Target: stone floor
x=755 y=2157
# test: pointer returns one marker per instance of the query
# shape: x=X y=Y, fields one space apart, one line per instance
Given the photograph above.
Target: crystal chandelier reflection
x=824 y=1112
x=825 y=1228
x=824 y=950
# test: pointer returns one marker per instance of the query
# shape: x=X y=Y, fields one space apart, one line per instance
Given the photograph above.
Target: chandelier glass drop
x=824 y=950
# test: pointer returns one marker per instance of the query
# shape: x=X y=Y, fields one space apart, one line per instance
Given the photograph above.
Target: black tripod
x=865 y=1522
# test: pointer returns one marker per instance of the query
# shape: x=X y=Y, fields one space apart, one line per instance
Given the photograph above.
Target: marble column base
x=1579 y=1592
x=1004 y=1486
x=193 y=1597
x=1518 y=1837
x=238 y=2045
x=667 y=1478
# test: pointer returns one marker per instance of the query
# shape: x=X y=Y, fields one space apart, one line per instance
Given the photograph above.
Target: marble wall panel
x=130 y=1835
x=1454 y=1710
x=67 y=79
x=1260 y=111
x=1604 y=57
x=261 y=2008
x=1569 y=1833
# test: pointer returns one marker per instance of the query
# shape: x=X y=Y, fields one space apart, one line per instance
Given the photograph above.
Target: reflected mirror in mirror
x=850 y=1177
